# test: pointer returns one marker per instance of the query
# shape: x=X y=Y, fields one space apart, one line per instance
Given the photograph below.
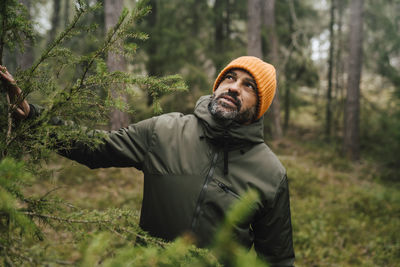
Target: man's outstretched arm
x=126 y=147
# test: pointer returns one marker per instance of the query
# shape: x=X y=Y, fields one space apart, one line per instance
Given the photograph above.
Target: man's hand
x=14 y=93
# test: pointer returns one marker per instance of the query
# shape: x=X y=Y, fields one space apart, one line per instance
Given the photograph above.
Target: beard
x=222 y=111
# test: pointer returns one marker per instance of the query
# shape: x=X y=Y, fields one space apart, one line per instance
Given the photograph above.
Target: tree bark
x=270 y=25
x=339 y=67
x=254 y=28
x=55 y=20
x=152 y=65
x=25 y=59
x=352 y=112
x=219 y=33
x=66 y=12
x=115 y=62
x=330 y=71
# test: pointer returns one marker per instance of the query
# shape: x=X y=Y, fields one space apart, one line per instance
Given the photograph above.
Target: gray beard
x=222 y=112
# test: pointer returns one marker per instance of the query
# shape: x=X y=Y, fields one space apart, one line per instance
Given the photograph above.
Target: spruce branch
x=60 y=219
x=108 y=224
x=109 y=41
x=60 y=38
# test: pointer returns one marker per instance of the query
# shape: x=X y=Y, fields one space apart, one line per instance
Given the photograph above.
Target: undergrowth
x=342 y=214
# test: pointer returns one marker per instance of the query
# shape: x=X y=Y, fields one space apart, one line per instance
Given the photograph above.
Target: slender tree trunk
x=287 y=96
x=112 y=10
x=66 y=12
x=352 y=113
x=228 y=18
x=152 y=65
x=254 y=28
x=330 y=71
x=24 y=60
x=270 y=25
x=219 y=36
x=3 y=29
x=339 y=66
x=55 y=20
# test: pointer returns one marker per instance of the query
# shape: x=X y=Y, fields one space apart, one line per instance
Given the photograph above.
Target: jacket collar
x=215 y=130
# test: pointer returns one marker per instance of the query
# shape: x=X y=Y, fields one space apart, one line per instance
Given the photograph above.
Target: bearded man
x=195 y=166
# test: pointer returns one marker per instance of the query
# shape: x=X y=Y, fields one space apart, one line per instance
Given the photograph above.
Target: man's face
x=235 y=98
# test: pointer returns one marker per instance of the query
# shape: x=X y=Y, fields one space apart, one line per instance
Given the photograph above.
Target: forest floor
x=342 y=214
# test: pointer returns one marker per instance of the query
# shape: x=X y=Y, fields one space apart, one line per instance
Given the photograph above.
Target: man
x=195 y=166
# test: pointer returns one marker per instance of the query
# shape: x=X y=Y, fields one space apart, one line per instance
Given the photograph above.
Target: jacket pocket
x=226 y=188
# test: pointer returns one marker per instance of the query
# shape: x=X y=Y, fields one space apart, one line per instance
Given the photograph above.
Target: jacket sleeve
x=126 y=147
x=273 y=231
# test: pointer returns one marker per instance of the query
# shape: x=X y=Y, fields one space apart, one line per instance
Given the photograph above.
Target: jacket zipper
x=226 y=189
x=203 y=191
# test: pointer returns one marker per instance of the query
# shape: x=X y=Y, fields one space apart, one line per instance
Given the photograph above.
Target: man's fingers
x=22 y=111
x=6 y=76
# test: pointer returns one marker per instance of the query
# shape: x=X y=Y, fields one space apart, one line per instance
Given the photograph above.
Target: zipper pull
x=223 y=187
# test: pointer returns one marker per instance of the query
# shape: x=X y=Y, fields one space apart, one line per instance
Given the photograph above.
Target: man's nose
x=235 y=87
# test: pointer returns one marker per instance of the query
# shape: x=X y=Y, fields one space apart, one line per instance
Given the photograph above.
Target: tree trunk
x=352 y=112
x=330 y=70
x=25 y=59
x=55 y=20
x=254 y=28
x=66 y=12
x=339 y=66
x=152 y=65
x=219 y=34
x=269 y=23
x=229 y=10
x=112 y=10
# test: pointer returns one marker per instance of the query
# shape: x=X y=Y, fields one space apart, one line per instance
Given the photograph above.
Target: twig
x=51 y=191
x=9 y=118
x=160 y=243
x=64 y=262
x=46 y=216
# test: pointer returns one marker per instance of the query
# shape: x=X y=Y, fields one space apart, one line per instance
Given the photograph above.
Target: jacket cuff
x=34 y=111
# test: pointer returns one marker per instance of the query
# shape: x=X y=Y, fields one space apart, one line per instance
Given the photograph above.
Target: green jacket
x=194 y=168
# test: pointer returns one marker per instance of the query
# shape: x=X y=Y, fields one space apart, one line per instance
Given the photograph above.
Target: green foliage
x=382 y=19
x=180 y=252
x=225 y=248
x=13 y=220
x=380 y=124
x=79 y=99
x=380 y=132
x=15 y=27
x=71 y=84
x=340 y=216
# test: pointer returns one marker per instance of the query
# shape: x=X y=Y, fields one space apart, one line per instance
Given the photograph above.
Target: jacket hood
x=215 y=130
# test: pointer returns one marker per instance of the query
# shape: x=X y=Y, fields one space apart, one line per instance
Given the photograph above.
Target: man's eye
x=252 y=86
x=229 y=77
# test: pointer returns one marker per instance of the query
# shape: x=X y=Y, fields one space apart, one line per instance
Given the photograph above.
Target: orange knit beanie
x=263 y=74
